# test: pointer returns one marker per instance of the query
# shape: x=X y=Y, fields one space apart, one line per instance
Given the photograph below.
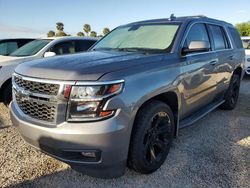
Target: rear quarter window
x=236 y=37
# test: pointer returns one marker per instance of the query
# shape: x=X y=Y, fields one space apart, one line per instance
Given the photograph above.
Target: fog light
x=88 y=154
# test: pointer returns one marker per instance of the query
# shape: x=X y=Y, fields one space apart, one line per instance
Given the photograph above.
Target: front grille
x=37 y=87
x=36 y=109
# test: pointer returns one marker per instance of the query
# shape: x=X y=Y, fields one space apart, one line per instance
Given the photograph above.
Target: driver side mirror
x=197 y=46
x=49 y=54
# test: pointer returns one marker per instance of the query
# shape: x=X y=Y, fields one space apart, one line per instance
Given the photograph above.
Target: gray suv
x=123 y=102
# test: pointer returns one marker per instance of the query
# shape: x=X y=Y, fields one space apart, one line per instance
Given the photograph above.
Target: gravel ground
x=214 y=152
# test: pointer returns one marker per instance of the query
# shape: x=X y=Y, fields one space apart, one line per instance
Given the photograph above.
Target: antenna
x=172 y=17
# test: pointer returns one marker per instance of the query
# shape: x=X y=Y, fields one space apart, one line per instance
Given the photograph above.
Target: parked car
x=37 y=49
x=246 y=45
x=7 y=46
x=124 y=101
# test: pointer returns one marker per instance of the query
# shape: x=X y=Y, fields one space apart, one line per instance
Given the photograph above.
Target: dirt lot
x=214 y=152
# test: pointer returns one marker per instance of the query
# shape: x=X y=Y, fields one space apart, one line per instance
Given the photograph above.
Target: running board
x=200 y=114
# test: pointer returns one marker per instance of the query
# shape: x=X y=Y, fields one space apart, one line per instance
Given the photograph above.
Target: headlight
x=86 y=102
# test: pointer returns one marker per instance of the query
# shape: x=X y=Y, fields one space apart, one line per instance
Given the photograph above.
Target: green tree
x=105 y=31
x=244 y=28
x=80 y=34
x=93 y=34
x=59 y=26
x=87 y=29
x=51 y=33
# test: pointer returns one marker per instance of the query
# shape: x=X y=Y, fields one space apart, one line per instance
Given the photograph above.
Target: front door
x=198 y=82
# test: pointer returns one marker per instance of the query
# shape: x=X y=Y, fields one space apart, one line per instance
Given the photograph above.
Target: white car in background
x=37 y=49
x=246 y=45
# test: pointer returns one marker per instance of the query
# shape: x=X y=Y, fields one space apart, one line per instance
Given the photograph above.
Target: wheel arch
x=4 y=85
x=239 y=71
x=172 y=99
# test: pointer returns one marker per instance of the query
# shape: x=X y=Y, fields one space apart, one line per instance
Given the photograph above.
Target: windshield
x=31 y=48
x=150 y=37
x=246 y=43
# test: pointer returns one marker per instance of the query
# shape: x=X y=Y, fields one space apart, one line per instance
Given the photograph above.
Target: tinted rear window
x=84 y=45
x=219 y=38
x=236 y=38
x=7 y=47
x=67 y=47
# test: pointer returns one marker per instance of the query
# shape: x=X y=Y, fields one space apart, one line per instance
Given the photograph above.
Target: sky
x=34 y=18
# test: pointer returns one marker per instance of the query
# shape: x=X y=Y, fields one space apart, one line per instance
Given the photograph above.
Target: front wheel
x=232 y=94
x=152 y=137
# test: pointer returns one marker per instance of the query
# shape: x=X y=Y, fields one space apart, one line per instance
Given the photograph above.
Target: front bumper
x=109 y=138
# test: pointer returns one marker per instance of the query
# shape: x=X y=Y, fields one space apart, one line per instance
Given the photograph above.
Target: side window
x=64 y=48
x=246 y=43
x=23 y=42
x=198 y=32
x=219 y=38
x=236 y=37
x=7 y=48
x=84 y=45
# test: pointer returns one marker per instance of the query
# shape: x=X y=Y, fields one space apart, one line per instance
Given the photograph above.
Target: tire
x=152 y=137
x=7 y=94
x=232 y=94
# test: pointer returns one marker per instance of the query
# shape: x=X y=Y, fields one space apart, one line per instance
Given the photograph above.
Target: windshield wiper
x=104 y=48
x=145 y=50
x=130 y=49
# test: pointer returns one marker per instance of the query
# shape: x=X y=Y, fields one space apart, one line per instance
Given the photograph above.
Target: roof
x=174 y=19
x=16 y=39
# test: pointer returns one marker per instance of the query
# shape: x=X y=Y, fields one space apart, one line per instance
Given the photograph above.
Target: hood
x=83 y=66
x=7 y=60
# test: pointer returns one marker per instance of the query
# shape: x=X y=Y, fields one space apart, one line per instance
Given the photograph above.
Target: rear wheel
x=7 y=94
x=152 y=137
x=232 y=94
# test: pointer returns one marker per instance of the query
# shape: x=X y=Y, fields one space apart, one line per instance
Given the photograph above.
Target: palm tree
x=59 y=26
x=105 y=31
x=93 y=34
x=51 y=34
x=80 y=34
x=86 y=29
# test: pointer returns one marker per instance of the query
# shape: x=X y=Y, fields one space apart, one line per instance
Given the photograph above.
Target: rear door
x=198 y=73
x=224 y=52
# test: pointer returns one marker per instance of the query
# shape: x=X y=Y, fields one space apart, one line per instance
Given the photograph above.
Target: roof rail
x=198 y=16
x=173 y=17
x=195 y=16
